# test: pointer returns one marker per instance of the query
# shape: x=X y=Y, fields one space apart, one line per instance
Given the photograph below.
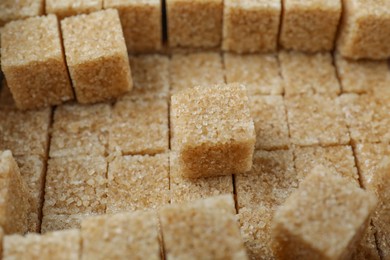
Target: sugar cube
x=15 y=10
x=310 y=25
x=365 y=30
x=137 y=182
x=132 y=235
x=96 y=56
x=260 y=73
x=325 y=205
x=212 y=130
x=33 y=62
x=194 y=24
x=65 y=8
x=251 y=26
x=141 y=23
x=14 y=205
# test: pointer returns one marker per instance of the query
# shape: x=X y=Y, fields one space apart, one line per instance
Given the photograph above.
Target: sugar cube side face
x=194 y=24
x=364 y=30
x=324 y=205
x=32 y=53
x=96 y=56
x=212 y=130
x=310 y=26
x=15 y=205
x=251 y=26
x=120 y=236
x=68 y=8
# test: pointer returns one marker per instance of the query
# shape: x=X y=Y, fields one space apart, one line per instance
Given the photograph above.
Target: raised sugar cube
x=65 y=8
x=14 y=10
x=96 y=56
x=80 y=130
x=365 y=30
x=138 y=182
x=209 y=225
x=363 y=76
x=316 y=120
x=338 y=160
x=310 y=25
x=212 y=130
x=75 y=185
x=62 y=222
x=194 y=24
x=189 y=70
x=132 y=235
x=25 y=133
x=150 y=76
x=139 y=127
x=33 y=63
x=56 y=245
x=141 y=23
x=260 y=73
x=308 y=74
x=251 y=26
x=325 y=205
x=15 y=202
x=269 y=116
x=186 y=190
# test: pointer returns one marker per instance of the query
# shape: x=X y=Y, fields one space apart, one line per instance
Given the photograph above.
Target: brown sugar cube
x=141 y=23
x=311 y=25
x=270 y=181
x=363 y=76
x=365 y=30
x=150 y=77
x=337 y=159
x=65 y=8
x=212 y=130
x=132 y=235
x=57 y=245
x=194 y=24
x=137 y=182
x=15 y=10
x=75 y=185
x=367 y=118
x=80 y=130
x=25 y=132
x=139 y=127
x=209 y=225
x=269 y=116
x=325 y=205
x=96 y=56
x=14 y=205
x=258 y=72
x=62 y=222
x=187 y=190
x=251 y=26
x=189 y=70
x=316 y=120
x=33 y=63
x=308 y=74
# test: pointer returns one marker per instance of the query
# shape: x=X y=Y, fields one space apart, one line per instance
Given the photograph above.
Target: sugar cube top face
x=365 y=30
x=194 y=24
x=209 y=225
x=32 y=52
x=141 y=23
x=62 y=222
x=138 y=182
x=251 y=26
x=132 y=235
x=212 y=130
x=325 y=205
x=72 y=7
x=96 y=56
x=309 y=26
x=14 y=10
x=259 y=73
